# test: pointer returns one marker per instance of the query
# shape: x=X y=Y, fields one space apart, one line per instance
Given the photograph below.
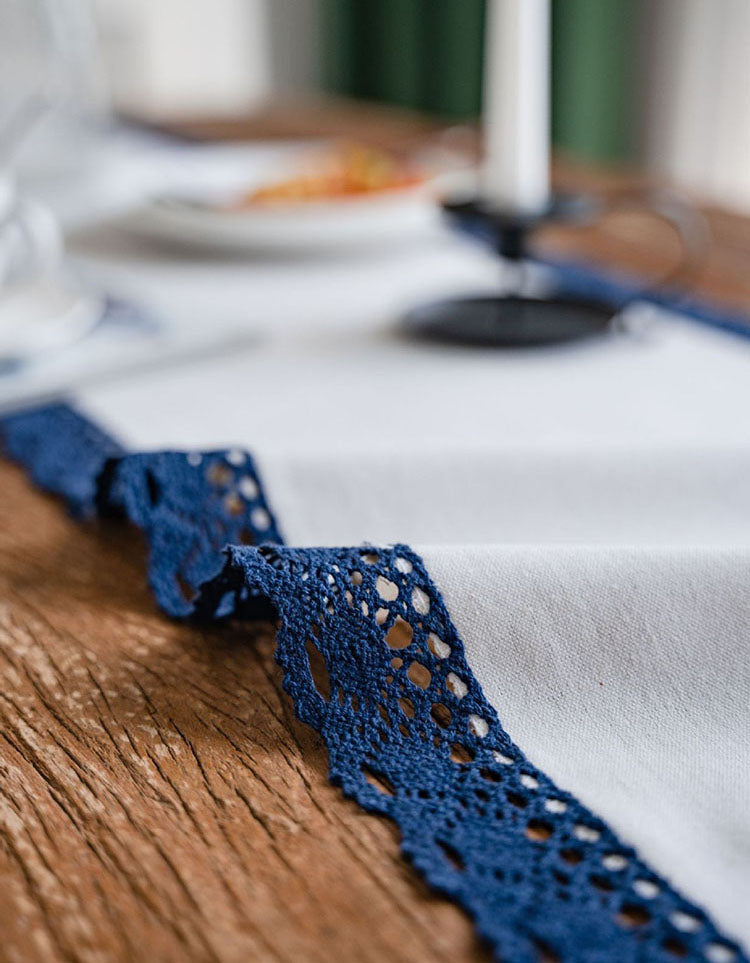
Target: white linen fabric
x=625 y=673
x=364 y=436
x=590 y=504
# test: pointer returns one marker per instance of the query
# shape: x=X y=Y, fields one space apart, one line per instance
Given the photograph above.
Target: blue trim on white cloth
x=373 y=662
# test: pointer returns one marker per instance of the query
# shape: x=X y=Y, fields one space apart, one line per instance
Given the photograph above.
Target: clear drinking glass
x=47 y=86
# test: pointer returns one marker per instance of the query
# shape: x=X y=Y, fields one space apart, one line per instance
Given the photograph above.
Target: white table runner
x=619 y=665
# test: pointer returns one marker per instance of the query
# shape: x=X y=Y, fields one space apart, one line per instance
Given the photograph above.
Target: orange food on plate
x=346 y=171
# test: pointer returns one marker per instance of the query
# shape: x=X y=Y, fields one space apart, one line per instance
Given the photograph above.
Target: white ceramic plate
x=314 y=226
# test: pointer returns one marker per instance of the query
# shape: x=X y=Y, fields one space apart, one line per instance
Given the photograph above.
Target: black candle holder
x=512 y=320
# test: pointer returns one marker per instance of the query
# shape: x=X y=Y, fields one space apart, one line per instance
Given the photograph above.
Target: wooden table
x=158 y=799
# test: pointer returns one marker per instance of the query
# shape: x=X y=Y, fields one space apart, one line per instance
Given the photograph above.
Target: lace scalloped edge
x=372 y=661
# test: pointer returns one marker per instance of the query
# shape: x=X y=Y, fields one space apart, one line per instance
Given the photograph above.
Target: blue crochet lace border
x=373 y=662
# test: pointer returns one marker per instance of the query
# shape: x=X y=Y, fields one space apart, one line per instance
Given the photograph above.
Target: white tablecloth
x=584 y=511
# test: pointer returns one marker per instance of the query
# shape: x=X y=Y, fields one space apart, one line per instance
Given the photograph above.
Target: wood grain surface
x=158 y=799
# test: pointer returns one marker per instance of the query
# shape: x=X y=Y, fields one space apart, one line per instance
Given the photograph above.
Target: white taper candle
x=515 y=175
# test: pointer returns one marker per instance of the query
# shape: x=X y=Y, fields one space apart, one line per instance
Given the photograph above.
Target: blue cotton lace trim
x=64 y=453
x=373 y=662
x=189 y=505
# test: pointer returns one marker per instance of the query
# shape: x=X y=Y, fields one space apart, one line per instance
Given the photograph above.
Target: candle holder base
x=511 y=320
x=508 y=231
x=507 y=322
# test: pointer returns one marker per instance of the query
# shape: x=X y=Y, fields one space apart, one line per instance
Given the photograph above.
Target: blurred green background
x=387 y=50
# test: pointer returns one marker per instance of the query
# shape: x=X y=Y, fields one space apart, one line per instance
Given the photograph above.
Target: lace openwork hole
x=318 y=670
x=260 y=519
x=153 y=488
x=441 y=714
x=587 y=834
x=489 y=775
x=478 y=726
x=233 y=505
x=419 y=674
x=675 y=947
x=571 y=856
x=407 y=707
x=456 y=685
x=461 y=755
x=400 y=635
x=440 y=649
x=684 y=922
x=248 y=488
x=383 y=713
x=633 y=915
x=379 y=781
x=420 y=601
x=387 y=590
x=187 y=591
x=219 y=474
x=719 y=953
x=452 y=855
x=646 y=888
x=602 y=883
x=538 y=830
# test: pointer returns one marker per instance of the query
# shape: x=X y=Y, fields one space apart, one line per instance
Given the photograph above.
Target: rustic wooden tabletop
x=158 y=799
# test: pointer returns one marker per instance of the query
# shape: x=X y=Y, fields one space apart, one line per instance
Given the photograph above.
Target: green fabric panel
x=367 y=72
x=427 y=54
x=395 y=43
x=592 y=57
x=338 y=32
x=453 y=39
x=373 y=49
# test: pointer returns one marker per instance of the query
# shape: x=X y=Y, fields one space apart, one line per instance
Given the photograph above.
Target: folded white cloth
x=624 y=674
